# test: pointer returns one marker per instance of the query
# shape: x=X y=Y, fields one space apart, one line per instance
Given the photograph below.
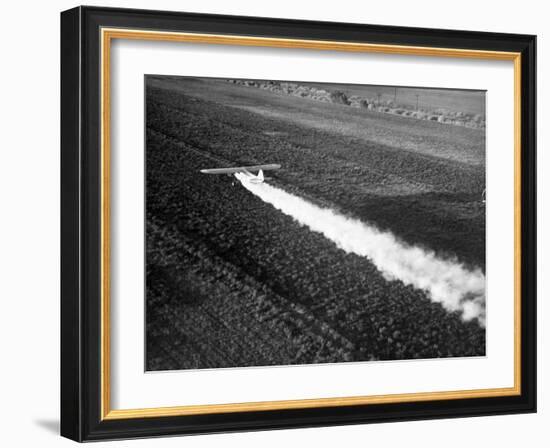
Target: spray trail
x=445 y=281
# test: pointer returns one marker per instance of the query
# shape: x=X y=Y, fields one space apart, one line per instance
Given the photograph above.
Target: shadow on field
x=448 y=221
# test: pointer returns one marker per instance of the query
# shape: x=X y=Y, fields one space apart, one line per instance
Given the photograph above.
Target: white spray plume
x=445 y=281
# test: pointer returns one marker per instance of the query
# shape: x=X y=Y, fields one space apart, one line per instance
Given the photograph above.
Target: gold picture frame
x=106 y=30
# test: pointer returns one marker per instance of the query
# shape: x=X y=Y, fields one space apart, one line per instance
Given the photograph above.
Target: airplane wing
x=241 y=169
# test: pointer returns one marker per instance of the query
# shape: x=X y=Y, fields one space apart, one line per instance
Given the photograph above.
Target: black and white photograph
x=292 y=223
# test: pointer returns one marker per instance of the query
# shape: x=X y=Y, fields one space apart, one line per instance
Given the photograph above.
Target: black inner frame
x=81 y=223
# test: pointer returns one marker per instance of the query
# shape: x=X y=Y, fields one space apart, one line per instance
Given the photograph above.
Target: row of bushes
x=373 y=104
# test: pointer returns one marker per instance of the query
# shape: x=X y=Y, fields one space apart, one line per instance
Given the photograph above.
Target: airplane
x=246 y=171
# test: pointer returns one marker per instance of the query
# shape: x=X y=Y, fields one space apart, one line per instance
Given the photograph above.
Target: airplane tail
x=261 y=175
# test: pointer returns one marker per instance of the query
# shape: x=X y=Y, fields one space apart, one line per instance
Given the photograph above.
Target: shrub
x=339 y=97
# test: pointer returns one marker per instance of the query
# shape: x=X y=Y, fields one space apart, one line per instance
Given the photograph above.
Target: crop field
x=232 y=281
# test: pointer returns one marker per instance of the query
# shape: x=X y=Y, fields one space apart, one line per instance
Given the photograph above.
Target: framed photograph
x=273 y=223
